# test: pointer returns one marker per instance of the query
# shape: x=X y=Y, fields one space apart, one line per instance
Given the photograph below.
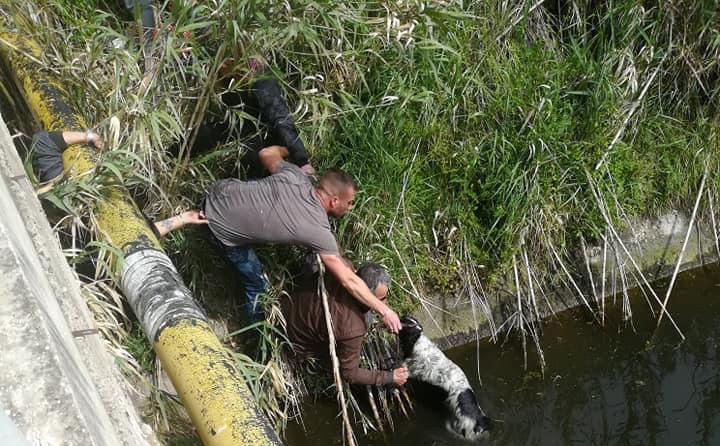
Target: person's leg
x=252 y=275
x=146 y=10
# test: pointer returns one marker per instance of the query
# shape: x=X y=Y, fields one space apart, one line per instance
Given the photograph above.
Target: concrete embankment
x=59 y=385
x=602 y=271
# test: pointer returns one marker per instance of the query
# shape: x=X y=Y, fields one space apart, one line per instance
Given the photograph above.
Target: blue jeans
x=247 y=264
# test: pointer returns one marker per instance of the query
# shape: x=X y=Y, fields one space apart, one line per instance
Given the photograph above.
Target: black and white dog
x=427 y=363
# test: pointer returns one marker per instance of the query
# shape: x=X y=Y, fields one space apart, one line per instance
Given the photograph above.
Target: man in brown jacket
x=307 y=331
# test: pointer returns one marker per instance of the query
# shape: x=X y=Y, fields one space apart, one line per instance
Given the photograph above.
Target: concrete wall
x=56 y=388
x=654 y=245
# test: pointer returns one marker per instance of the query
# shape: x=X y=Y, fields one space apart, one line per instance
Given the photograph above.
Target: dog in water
x=427 y=363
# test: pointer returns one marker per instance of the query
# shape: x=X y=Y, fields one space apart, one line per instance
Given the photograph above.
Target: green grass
x=138 y=346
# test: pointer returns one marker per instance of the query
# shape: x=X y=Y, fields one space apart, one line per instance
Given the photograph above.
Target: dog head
x=483 y=425
x=471 y=429
x=409 y=334
x=470 y=422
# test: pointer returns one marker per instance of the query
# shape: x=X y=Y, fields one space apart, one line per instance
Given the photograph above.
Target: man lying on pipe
x=47 y=149
x=306 y=329
x=284 y=208
x=46 y=153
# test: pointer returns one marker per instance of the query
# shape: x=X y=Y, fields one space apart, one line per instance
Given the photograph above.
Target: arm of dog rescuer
x=359 y=290
x=163 y=227
x=47 y=149
x=277 y=114
x=348 y=351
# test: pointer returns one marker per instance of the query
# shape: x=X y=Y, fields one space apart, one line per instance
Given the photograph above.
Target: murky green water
x=612 y=385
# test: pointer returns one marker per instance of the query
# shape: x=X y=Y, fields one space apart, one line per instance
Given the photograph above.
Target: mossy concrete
x=654 y=245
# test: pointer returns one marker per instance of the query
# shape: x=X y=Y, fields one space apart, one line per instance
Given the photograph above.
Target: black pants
x=146 y=11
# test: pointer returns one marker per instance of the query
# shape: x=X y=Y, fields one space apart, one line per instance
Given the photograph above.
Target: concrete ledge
x=57 y=389
x=653 y=244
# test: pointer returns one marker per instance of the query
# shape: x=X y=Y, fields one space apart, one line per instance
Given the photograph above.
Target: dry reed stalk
x=408 y=400
x=644 y=293
x=470 y=290
x=396 y=394
x=471 y=285
x=617 y=238
x=519 y=311
x=373 y=407
x=349 y=436
x=415 y=291
x=629 y=115
x=569 y=276
x=518 y=19
x=197 y=118
x=682 y=251
x=517 y=283
x=602 y=289
x=620 y=269
x=530 y=285
x=386 y=409
x=714 y=222
x=589 y=270
x=401 y=200
x=477 y=331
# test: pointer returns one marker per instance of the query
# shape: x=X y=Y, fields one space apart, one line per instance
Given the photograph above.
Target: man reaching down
x=308 y=334
x=285 y=208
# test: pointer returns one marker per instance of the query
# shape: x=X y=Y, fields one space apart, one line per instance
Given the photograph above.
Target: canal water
x=618 y=384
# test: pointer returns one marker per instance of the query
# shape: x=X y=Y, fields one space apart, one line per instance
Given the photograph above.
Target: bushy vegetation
x=480 y=132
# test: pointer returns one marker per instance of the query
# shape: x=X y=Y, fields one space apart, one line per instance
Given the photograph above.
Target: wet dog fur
x=427 y=363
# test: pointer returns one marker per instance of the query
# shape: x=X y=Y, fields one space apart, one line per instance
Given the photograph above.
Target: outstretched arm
x=87 y=137
x=359 y=290
x=271 y=156
x=178 y=221
x=348 y=351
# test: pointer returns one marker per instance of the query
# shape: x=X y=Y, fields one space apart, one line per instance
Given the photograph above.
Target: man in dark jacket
x=306 y=328
x=270 y=121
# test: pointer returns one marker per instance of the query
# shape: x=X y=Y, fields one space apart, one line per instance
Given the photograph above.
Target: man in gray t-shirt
x=285 y=208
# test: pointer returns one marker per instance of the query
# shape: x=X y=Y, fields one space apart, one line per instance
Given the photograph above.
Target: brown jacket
x=307 y=331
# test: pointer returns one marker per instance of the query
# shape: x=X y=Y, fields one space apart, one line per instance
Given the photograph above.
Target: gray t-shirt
x=279 y=209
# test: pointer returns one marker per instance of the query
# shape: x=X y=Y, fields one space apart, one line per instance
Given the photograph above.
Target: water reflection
x=612 y=385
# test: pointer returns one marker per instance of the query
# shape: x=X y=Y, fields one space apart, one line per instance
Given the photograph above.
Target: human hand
x=193 y=218
x=308 y=169
x=95 y=139
x=400 y=376
x=392 y=321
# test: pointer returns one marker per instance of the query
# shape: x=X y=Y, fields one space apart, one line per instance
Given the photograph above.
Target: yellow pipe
x=201 y=377
x=212 y=390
